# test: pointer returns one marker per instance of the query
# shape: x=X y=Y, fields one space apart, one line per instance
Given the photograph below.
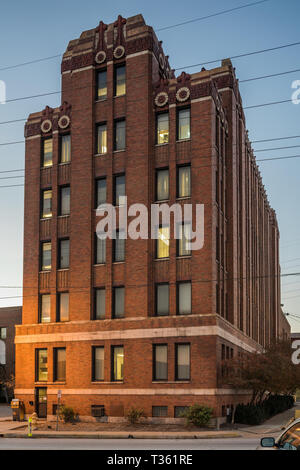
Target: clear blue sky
x=30 y=30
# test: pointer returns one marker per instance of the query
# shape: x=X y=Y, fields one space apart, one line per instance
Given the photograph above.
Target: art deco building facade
x=141 y=322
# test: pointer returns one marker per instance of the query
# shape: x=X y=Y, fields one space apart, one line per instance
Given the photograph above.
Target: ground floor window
x=159 y=411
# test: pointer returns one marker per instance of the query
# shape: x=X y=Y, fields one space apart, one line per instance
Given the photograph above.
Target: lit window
x=98 y=363
x=99 y=313
x=184 y=292
x=162 y=128
x=160 y=362
x=182 y=362
x=64 y=200
x=162 y=185
x=46 y=256
x=45 y=308
x=120 y=135
x=47 y=204
x=119 y=190
x=120 y=80
x=163 y=242
x=64 y=254
x=65 y=148
x=162 y=299
x=101 y=85
x=101 y=139
x=118 y=302
x=184 y=239
x=59 y=363
x=183 y=123
x=47 y=152
x=63 y=306
x=117 y=363
x=184 y=181
x=41 y=365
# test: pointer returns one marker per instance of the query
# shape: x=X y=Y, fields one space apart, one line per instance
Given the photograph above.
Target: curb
x=64 y=435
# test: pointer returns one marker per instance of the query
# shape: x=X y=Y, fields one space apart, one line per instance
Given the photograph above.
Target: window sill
x=183 y=198
x=119 y=96
x=118 y=262
x=45 y=271
x=101 y=101
x=99 y=264
x=63 y=269
x=100 y=154
x=161 y=145
x=46 y=218
x=63 y=216
x=184 y=257
x=118 y=151
x=45 y=167
x=183 y=140
x=162 y=259
x=64 y=163
x=171 y=381
x=161 y=201
x=99 y=382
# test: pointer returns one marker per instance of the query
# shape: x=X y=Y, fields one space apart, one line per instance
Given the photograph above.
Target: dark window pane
x=160 y=362
x=119 y=190
x=46 y=256
x=182 y=361
x=120 y=135
x=119 y=297
x=162 y=126
x=47 y=152
x=120 y=80
x=162 y=299
x=184 y=124
x=101 y=192
x=60 y=364
x=102 y=85
x=98 y=373
x=65 y=200
x=185 y=298
x=119 y=246
x=184 y=181
x=47 y=203
x=100 y=304
x=159 y=411
x=64 y=252
x=162 y=185
x=102 y=139
x=64 y=306
x=100 y=250
x=179 y=410
x=65 y=148
x=118 y=363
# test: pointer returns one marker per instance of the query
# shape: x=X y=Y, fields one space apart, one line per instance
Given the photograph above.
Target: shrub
x=199 y=415
x=257 y=414
x=67 y=414
x=134 y=415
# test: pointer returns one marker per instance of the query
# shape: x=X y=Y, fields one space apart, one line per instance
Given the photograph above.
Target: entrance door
x=41 y=401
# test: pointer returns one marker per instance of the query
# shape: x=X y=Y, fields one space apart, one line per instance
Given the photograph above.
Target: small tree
x=134 y=415
x=67 y=414
x=199 y=415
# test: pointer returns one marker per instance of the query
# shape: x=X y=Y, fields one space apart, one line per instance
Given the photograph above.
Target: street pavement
x=129 y=444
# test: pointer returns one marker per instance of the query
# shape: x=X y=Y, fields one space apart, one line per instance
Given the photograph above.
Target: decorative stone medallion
x=100 y=57
x=183 y=94
x=161 y=99
x=119 y=52
x=46 y=126
x=64 y=121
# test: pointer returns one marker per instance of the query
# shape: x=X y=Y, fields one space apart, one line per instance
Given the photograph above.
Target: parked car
x=289 y=439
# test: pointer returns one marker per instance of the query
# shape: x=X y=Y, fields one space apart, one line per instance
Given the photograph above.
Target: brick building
x=141 y=322
x=9 y=317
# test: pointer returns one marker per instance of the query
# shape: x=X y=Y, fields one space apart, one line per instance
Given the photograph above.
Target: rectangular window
x=101 y=143
x=101 y=85
x=184 y=239
x=100 y=250
x=118 y=302
x=65 y=148
x=64 y=206
x=159 y=411
x=183 y=181
x=162 y=299
x=45 y=308
x=3 y=333
x=120 y=135
x=119 y=246
x=162 y=128
x=183 y=124
x=59 y=364
x=99 y=313
x=100 y=191
x=160 y=362
x=117 y=363
x=47 y=153
x=98 y=363
x=41 y=365
x=163 y=242
x=119 y=190
x=182 y=362
x=63 y=306
x=120 y=80
x=184 y=293
x=179 y=410
x=162 y=184
x=46 y=256
x=64 y=254
x=47 y=203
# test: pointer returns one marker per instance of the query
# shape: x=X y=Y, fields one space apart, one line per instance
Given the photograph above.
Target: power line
x=269 y=76
x=30 y=62
x=275 y=138
x=277 y=148
x=222 y=12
